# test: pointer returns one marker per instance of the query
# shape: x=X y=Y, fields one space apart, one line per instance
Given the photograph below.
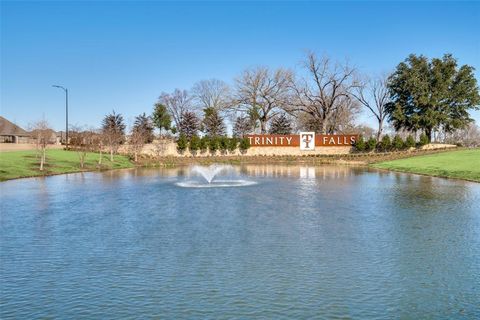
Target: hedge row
x=387 y=144
x=212 y=144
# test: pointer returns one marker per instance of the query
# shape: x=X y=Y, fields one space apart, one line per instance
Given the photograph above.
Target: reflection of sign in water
x=304 y=140
x=307 y=140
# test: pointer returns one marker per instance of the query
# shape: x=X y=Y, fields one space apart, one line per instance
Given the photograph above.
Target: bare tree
x=83 y=141
x=323 y=90
x=373 y=94
x=343 y=119
x=212 y=93
x=263 y=92
x=177 y=103
x=42 y=134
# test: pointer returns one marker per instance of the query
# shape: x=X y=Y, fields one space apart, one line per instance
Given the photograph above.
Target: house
x=11 y=133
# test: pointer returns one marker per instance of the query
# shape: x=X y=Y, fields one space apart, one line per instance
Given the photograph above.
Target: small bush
x=213 y=145
x=182 y=144
x=194 y=144
x=397 y=143
x=371 y=144
x=232 y=144
x=385 y=144
x=409 y=142
x=423 y=140
x=244 y=145
x=360 y=144
x=203 y=145
x=223 y=143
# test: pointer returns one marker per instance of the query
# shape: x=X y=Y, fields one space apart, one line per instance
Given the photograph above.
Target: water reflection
x=330 y=241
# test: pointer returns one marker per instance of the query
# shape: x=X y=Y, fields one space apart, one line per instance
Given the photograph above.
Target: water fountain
x=209 y=174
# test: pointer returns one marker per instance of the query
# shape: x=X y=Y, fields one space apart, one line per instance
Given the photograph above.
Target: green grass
x=464 y=164
x=21 y=164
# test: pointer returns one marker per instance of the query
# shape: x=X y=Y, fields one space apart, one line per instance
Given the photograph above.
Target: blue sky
x=122 y=55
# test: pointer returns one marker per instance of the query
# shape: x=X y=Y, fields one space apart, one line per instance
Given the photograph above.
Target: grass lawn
x=20 y=164
x=463 y=164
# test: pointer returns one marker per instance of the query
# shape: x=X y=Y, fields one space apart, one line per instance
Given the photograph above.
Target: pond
x=290 y=242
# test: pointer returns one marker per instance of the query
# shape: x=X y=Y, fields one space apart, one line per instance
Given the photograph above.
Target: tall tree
x=144 y=127
x=161 y=118
x=281 y=125
x=42 y=133
x=177 y=103
x=113 y=129
x=428 y=95
x=264 y=91
x=242 y=126
x=189 y=124
x=323 y=91
x=374 y=96
x=212 y=123
x=211 y=93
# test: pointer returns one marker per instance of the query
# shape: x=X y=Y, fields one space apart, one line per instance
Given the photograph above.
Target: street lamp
x=66 y=112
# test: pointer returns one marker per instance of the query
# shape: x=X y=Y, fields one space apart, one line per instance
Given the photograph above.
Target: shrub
x=213 y=145
x=223 y=143
x=385 y=144
x=182 y=144
x=423 y=140
x=360 y=144
x=397 y=143
x=194 y=144
x=232 y=144
x=371 y=144
x=203 y=145
x=409 y=142
x=244 y=145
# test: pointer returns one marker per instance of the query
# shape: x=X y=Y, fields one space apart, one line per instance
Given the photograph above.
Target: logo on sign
x=307 y=140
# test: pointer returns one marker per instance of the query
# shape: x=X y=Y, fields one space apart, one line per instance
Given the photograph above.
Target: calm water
x=304 y=242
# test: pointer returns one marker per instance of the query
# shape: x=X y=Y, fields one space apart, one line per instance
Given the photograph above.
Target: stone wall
x=169 y=148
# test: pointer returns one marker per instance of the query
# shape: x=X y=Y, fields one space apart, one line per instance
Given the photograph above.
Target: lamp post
x=66 y=113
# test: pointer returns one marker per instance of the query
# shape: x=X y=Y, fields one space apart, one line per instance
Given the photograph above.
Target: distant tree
x=144 y=126
x=42 y=133
x=409 y=142
x=242 y=127
x=371 y=144
x=177 y=103
x=203 y=145
x=281 y=125
x=468 y=137
x=244 y=145
x=212 y=94
x=374 y=96
x=264 y=91
x=385 y=144
x=83 y=142
x=232 y=144
x=435 y=94
x=324 y=91
x=423 y=140
x=194 y=145
x=212 y=123
x=113 y=129
x=182 y=143
x=189 y=124
x=397 y=143
x=161 y=118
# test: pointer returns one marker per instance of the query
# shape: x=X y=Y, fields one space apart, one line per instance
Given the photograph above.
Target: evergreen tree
x=360 y=144
x=371 y=144
x=244 y=145
x=203 y=146
x=212 y=123
x=385 y=144
x=409 y=142
x=242 y=127
x=189 y=124
x=143 y=127
x=232 y=144
x=161 y=118
x=398 y=143
x=428 y=95
x=113 y=130
x=423 y=140
x=182 y=143
x=194 y=145
x=281 y=125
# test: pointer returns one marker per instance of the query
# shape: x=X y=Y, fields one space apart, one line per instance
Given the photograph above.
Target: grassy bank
x=21 y=164
x=462 y=164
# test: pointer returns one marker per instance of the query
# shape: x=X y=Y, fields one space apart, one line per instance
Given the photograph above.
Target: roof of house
x=8 y=128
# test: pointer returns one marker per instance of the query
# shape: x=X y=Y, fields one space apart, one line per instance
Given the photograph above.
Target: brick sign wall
x=304 y=140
